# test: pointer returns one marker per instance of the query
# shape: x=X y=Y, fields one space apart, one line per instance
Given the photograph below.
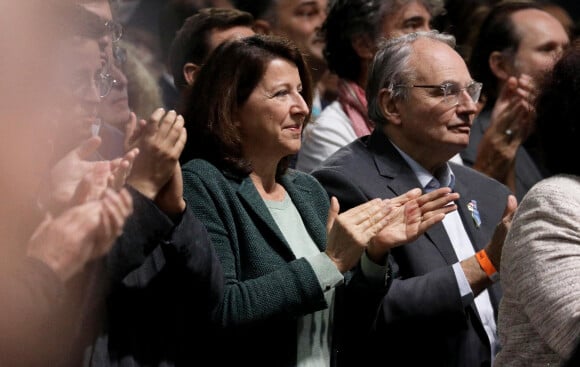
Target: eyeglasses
x=452 y=91
x=116 y=30
x=120 y=55
x=104 y=82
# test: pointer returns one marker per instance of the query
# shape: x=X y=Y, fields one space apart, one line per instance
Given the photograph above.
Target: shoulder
x=349 y=156
x=469 y=177
x=201 y=178
x=560 y=192
x=204 y=171
x=559 y=183
x=200 y=167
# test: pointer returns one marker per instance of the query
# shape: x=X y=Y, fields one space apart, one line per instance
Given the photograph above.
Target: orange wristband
x=487 y=266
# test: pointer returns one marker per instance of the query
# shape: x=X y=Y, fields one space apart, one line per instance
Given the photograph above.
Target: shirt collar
x=444 y=176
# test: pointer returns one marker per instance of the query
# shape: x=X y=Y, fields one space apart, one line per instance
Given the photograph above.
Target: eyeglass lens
x=453 y=92
x=116 y=30
x=104 y=82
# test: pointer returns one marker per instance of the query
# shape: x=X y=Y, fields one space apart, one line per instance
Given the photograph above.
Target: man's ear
x=363 y=46
x=189 y=71
x=389 y=107
x=500 y=65
x=262 y=26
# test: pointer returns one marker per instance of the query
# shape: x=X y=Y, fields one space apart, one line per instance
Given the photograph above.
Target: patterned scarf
x=354 y=103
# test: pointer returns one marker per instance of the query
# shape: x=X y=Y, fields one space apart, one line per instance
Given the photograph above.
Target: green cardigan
x=266 y=288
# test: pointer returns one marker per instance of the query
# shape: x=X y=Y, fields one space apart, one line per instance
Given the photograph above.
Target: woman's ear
x=262 y=27
x=389 y=107
x=189 y=71
x=500 y=65
x=363 y=46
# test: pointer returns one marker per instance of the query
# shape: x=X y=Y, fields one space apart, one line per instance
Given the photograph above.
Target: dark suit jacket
x=267 y=288
x=422 y=320
x=527 y=172
x=165 y=279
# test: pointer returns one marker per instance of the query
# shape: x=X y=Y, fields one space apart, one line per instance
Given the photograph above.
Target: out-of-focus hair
x=558 y=108
x=142 y=88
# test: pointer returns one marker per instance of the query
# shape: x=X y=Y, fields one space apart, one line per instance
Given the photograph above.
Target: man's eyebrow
x=415 y=19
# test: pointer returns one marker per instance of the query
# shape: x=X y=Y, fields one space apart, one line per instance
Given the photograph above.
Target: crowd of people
x=289 y=183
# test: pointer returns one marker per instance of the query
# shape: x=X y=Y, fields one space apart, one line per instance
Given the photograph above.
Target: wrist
x=377 y=253
x=170 y=207
x=146 y=189
x=487 y=266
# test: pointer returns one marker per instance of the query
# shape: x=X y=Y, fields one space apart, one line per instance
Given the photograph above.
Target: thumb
x=88 y=147
x=332 y=213
x=130 y=130
x=510 y=208
x=82 y=192
x=509 y=87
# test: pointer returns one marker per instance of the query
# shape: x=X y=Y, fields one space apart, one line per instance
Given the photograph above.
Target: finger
x=509 y=88
x=82 y=191
x=526 y=81
x=375 y=214
x=127 y=201
x=425 y=215
x=433 y=195
x=180 y=143
x=154 y=122
x=381 y=221
x=510 y=208
x=88 y=147
x=176 y=129
x=119 y=177
x=130 y=158
x=409 y=195
x=116 y=211
x=438 y=202
x=104 y=236
x=332 y=213
x=130 y=130
x=167 y=123
x=428 y=222
x=363 y=212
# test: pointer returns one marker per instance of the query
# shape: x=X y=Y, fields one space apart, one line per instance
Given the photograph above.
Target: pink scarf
x=354 y=103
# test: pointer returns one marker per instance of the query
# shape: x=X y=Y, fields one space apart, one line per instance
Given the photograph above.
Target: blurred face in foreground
x=85 y=82
x=114 y=108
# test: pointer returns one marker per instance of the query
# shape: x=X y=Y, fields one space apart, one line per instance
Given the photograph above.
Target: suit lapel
x=467 y=194
x=400 y=178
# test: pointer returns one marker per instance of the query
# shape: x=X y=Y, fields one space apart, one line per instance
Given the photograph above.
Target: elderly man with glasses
x=440 y=310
